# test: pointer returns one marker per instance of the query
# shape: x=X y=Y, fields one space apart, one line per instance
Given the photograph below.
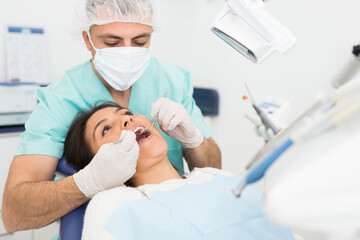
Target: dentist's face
x=106 y=125
x=118 y=34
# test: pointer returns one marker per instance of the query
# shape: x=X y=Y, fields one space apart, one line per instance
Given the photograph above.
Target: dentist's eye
x=111 y=44
x=105 y=130
x=140 y=44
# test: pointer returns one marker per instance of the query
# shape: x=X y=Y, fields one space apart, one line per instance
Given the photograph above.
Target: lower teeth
x=140 y=136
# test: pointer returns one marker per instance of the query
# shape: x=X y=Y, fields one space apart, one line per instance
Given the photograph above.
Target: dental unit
x=340 y=103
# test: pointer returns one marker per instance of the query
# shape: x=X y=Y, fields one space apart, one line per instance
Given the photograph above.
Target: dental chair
x=207 y=100
x=72 y=223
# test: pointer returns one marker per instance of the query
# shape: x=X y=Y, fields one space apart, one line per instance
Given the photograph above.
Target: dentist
x=118 y=35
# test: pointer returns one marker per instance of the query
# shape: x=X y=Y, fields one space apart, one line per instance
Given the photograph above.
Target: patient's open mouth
x=140 y=137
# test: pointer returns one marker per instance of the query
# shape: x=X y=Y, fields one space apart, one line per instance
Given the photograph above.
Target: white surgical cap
x=100 y=12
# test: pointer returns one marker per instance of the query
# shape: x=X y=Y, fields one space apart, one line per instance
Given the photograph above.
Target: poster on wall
x=26 y=55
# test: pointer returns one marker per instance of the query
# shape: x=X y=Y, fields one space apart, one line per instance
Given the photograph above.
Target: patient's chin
x=151 y=155
x=146 y=163
x=155 y=152
x=153 y=145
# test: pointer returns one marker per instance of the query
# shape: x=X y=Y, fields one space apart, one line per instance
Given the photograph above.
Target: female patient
x=167 y=206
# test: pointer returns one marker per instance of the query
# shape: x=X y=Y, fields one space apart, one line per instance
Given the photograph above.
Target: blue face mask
x=121 y=67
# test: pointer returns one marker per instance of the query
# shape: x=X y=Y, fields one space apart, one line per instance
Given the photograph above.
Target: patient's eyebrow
x=117 y=110
x=126 y=110
x=98 y=124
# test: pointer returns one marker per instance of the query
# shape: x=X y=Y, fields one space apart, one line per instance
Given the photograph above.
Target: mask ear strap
x=88 y=33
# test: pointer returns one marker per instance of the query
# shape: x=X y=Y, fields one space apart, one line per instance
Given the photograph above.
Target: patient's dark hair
x=77 y=151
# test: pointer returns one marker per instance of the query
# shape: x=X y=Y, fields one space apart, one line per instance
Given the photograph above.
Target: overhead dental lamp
x=246 y=27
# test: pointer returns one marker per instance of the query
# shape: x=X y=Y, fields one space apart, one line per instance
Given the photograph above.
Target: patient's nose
x=125 y=121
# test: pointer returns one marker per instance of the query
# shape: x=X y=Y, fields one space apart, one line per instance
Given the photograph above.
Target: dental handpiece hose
x=257 y=172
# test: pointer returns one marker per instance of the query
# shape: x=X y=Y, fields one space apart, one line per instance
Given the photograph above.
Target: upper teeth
x=137 y=129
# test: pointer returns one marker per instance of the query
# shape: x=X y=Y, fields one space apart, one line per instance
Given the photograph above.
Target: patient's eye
x=105 y=130
x=129 y=113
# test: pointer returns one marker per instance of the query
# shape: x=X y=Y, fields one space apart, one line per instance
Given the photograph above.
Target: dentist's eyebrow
x=109 y=35
x=141 y=36
x=98 y=124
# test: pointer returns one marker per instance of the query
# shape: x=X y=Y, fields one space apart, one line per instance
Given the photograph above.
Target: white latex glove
x=112 y=166
x=175 y=121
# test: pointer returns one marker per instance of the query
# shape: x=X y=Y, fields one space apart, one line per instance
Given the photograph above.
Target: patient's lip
x=135 y=126
x=141 y=140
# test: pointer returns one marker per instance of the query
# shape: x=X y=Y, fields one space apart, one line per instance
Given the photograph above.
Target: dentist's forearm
x=33 y=205
x=206 y=155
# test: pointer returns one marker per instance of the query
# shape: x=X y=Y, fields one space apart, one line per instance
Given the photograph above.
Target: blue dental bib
x=196 y=211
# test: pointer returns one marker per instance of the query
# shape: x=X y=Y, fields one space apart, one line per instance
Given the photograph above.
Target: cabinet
x=8 y=146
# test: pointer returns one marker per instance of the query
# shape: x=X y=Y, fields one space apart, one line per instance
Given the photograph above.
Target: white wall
x=8 y=145
x=55 y=17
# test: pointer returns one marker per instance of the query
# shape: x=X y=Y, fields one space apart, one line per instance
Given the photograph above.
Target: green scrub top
x=80 y=89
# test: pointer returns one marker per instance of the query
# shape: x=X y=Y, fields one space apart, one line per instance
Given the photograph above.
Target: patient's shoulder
x=216 y=171
x=116 y=196
x=104 y=203
x=199 y=175
x=100 y=208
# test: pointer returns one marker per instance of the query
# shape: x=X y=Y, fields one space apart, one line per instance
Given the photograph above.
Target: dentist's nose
x=127 y=43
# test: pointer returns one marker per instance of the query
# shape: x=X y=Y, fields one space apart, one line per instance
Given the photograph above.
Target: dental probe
x=155 y=119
